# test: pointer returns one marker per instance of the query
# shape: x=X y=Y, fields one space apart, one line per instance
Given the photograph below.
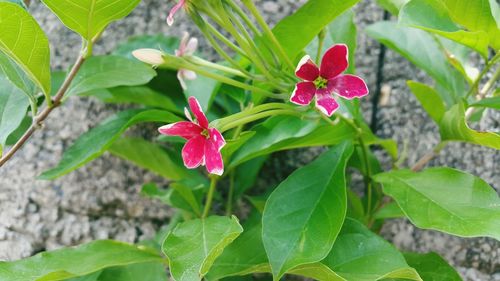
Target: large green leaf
x=432 y=16
x=420 y=48
x=454 y=127
x=432 y=267
x=73 y=262
x=304 y=214
x=110 y=71
x=22 y=40
x=493 y=102
x=429 y=99
x=193 y=246
x=360 y=255
x=472 y=211
x=302 y=25
x=138 y=94
x=475 y=16
x=288 y=132
x=152 y=157
x=13 y=106
x=151 y=271
x=96 y=141
x=90 y=17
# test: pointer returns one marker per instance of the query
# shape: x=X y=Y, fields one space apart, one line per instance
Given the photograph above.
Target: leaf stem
x=229 y=204
x=258 y=116
x=38 y=120
x=489 y=65
x=321 y=41
x=428 y=157
x=210 y=196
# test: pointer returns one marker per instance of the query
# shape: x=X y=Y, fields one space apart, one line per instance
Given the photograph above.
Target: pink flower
x=203 y=143
x=170 y=18
x=187 y=47
x=322 y=82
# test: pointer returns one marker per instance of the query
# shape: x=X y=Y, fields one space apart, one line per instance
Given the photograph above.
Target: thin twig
x=428 y=157
x=38 y=121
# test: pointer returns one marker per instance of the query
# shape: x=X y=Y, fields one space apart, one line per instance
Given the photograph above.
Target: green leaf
x=454 y=127
x=17 y=77
x=152 y=157
x=90 y=17
x=360 y=255
x=420 y=48
x=429 y=99
x=493 y=102
x=475 y=16
x=152 y=271
x=432 y=16
x=13 y=107
x=18 y=2
x=233 y=145
x=138 y=94
x=424 y=197
x=288 y=132
x=193 y=246
x=317 y=271
x=432 y=267
x=292 y=27
x=204 y=89
x=96 y=141
x=245 y=255
x=165 y=43
x=393 y=6
x=390 y=211
x=23 y=41
x=110 y=71
x=304 y=214
x=74 y=262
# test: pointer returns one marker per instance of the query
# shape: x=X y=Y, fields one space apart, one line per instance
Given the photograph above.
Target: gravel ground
x=101 y=200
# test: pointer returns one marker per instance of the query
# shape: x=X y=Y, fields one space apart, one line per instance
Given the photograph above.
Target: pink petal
x=349 y=86
x=213 y=158
x=303 y=93
x=198 y=112
x=334 y=61
x=191 y=47
x=180 y=77
x=170 y=18
x=183 y=129
x=193 y=152
x=217 y=138
x=306 y=69
x=326 y=103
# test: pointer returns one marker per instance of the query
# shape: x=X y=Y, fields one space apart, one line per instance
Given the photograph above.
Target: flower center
x=320 y=83
x=205 y=133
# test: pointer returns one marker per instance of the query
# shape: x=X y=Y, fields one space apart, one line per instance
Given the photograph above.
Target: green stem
x=216 y=66
x=253 y=110
x=210 y=196
x=321 y=40
x=229 y=204
x=267 y=31
x=258 y=116
x=474 y=88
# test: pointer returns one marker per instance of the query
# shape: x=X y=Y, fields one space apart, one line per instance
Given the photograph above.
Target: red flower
x=328 y=79
x=170 y=18
x=203 y=143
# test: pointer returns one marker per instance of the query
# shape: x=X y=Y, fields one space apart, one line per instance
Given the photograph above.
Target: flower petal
x=183 y=129
x=326 y=103
x=198 y=112
x=334 y=61
x=349 y=86
x=217 y=138
x=191 y=47
x=193 y=152
x=170 y=18
x=213 y=158
x=303 y=93
x=306 y=69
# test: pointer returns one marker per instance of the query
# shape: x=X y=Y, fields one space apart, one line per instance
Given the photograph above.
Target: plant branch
x=210 y=196
x=39 y=119
x=428 y=157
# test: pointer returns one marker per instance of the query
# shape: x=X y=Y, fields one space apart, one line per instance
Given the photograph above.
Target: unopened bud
x=149 y=56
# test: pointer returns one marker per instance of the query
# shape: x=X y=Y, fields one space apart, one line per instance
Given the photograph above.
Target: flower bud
x=149 y=56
